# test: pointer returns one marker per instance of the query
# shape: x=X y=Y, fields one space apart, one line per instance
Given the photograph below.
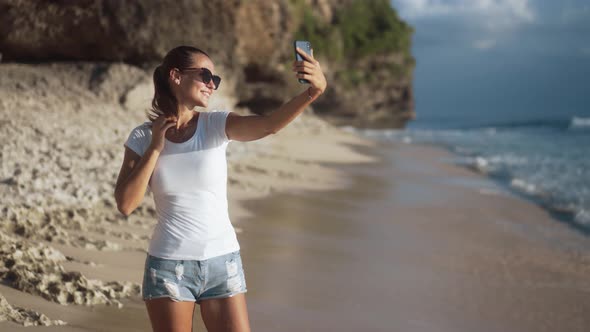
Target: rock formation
x=250 y=42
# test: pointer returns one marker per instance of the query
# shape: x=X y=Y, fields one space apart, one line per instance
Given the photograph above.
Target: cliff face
x=367 y=47
x=250 y=42
x=111 y=30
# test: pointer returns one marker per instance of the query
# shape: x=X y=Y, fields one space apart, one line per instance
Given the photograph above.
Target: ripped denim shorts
x=192 y=280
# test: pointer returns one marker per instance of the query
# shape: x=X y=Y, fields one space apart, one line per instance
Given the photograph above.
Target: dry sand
x=65 y=250
x=337 y=232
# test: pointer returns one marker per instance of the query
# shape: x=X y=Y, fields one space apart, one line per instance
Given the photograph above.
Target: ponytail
x=164 y=101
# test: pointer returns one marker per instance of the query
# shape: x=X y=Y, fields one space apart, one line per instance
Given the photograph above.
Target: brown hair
x=164 y=101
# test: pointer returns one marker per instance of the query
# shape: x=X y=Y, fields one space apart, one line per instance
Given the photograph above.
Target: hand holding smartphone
x=306 y=47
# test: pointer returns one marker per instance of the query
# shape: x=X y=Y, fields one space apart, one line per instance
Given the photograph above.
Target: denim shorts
x=192 y=280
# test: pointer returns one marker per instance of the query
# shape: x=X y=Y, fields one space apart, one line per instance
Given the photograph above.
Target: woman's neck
x=184 y=116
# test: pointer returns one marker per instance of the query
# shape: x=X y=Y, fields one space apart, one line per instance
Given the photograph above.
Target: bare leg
x=226 y=315
x=167 y=315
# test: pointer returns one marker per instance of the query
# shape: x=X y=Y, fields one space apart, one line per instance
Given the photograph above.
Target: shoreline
x=564 y=216
x=568 y=211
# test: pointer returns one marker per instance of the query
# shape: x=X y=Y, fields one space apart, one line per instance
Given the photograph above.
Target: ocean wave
x=492 y=128
x=549 y=166
x=490 y=164
x=522 y=185
x=508 y=159
x=555 y=123
x=583 y=217
x=578 y=122
x=479 y=164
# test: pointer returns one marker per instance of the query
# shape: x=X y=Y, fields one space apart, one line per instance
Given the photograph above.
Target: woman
x=193 y=254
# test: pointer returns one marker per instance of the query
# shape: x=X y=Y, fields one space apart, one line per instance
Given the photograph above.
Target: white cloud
x=482 y=23
x=492 y=14
x=484 y=44
x=419 y=8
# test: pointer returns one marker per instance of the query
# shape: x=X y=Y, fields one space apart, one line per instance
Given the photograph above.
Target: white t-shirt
x=189 y=185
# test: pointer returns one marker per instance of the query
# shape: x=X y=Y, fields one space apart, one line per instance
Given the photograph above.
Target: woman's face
x=191 y=89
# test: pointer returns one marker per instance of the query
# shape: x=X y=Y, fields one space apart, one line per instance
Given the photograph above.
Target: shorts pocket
x=162 y=264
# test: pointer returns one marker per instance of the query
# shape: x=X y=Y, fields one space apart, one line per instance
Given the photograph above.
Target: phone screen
x=306 y=47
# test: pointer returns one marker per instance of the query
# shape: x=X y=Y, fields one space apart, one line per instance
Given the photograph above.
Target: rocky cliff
x=368 y=65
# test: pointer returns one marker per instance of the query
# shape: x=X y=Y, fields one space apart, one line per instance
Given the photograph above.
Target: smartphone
x=306 y=47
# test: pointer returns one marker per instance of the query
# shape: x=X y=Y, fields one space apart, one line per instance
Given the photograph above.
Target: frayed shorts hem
x=222 y=296
x=175 y=299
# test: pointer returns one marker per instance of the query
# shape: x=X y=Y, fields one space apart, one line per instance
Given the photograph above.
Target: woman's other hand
x=310 y=70
x=159 y=128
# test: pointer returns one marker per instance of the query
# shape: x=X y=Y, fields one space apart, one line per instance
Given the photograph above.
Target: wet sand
x=414 y=244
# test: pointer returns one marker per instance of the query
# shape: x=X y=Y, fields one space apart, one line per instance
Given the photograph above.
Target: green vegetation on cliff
x=358 y=30
x=370 y=27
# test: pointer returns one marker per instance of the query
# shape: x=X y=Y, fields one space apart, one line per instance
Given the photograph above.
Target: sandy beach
x=344 y=234
x=337 y=233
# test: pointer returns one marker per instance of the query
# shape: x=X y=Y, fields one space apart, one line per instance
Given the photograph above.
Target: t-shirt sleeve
x=139 y=139
x=217 y=125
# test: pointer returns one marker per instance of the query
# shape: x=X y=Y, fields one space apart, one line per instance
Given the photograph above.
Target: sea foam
x=546 y=161
x=578 y=122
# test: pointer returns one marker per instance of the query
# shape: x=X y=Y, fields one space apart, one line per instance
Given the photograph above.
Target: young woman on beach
x=194 y=255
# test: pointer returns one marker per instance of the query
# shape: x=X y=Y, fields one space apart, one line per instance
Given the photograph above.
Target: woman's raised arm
x=253 y=127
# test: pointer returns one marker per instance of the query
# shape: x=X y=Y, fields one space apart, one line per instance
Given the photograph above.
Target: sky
x=498 y=61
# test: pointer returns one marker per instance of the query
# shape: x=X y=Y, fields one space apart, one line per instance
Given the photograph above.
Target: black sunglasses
x=206 y=76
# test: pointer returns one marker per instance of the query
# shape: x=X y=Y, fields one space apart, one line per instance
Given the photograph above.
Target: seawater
x=545 y=160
